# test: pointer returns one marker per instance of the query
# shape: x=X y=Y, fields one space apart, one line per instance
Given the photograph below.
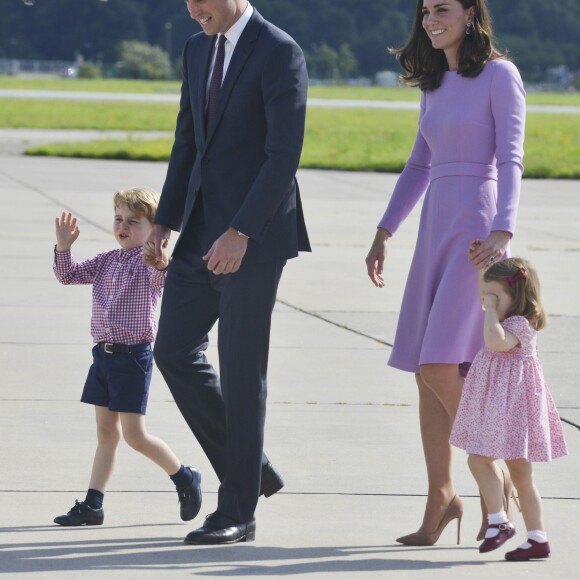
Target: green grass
x=409 y=94
x=553 y=99
x=366 y=140
x=381 y=140
x=137 y=86
x=48 y=114
x=90 y=85
x=318 y=92
x=358 y=139
x=127 y=149
x=365 y=93
x=552 y=147
x=349 y=139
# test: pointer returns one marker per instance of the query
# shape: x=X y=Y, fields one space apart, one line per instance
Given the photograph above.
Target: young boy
x=123 y=325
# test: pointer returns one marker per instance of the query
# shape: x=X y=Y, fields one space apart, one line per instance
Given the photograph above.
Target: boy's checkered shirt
x=125 y=293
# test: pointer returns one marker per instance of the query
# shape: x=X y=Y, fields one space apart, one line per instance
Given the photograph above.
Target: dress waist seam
x=463 y=168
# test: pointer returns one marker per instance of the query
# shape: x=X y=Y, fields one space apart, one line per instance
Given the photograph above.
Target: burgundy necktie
x=216 y=80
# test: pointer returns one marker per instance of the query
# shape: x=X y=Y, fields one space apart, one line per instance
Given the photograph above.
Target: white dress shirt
x=232 y=37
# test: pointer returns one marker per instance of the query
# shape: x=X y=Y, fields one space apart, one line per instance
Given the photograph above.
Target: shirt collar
x=128 y=254
x=234 y=33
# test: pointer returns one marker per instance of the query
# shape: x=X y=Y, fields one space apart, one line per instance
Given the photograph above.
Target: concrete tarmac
x=342 y=426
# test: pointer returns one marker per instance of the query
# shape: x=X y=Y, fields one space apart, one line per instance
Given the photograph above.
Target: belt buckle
x=108 y=347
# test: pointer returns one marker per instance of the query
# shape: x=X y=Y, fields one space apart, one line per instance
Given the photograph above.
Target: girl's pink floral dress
x=506 y=410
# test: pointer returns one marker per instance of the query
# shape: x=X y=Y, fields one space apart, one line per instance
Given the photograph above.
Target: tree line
x=344 y=38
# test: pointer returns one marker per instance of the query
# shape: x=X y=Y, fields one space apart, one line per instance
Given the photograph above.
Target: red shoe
x=506 y=531
x=538 y=550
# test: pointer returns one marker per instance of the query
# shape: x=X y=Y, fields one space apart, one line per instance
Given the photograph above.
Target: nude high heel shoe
x=454 y=511
x=508 y=492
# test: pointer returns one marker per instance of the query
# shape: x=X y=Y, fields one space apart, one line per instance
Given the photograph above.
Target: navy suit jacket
x=244 y=166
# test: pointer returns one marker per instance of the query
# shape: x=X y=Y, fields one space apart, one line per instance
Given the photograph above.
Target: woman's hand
x=375 y=259
x=482 y=254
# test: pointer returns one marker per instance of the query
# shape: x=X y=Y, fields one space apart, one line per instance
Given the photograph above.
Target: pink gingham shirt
x=125 y=293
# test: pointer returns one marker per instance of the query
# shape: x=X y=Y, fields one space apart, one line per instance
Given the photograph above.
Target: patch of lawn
x=91 y=85
x=318 y=92
x=368 y=140
x=49 y=114
x=552 y=147
x=365 y=93
x=127 y=149
x=358 y=139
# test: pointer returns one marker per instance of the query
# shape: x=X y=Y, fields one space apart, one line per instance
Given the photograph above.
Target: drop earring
x=469 y=28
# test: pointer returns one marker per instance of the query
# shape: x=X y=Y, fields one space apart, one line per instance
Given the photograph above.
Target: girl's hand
x=483 y=254
x=67 y=231
x=375 y=259
x=489 y=301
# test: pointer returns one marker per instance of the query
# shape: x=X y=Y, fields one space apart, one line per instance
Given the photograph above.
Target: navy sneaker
x=190 y=497
x=81 y=515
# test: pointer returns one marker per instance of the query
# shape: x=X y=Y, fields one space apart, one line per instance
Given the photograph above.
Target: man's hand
x=163 y=262
x=153 y=249
x=67 y=231
x=226 y=254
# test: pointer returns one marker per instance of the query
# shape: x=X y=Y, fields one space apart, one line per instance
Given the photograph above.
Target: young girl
x=506 y=410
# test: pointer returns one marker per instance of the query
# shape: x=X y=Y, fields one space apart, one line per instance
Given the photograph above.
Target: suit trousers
x=225 y=412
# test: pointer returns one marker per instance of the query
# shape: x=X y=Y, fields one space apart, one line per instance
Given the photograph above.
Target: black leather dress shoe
x=81 y=515
x=219 y=529
x=190 y=497
x=272 y=481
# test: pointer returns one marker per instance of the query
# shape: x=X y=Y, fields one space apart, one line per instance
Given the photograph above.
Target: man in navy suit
x=232 y=193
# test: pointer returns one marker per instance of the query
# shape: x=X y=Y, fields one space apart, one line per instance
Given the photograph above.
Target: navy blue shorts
x=120 y=381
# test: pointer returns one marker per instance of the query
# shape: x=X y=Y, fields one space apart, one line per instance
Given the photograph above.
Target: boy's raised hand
x=67 y=231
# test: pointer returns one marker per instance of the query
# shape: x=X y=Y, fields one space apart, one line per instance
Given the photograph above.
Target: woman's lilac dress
x=468 y=157
x=506 y=409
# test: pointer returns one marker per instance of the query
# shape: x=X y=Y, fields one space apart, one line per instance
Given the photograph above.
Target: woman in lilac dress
x=467 y=160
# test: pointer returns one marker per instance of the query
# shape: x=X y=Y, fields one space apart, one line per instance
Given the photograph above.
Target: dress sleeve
x=519 y=327
x=508 y=105
x=412 y=182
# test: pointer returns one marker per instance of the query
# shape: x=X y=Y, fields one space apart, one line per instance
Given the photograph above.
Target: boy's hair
x=142 y=201
x=519 y=279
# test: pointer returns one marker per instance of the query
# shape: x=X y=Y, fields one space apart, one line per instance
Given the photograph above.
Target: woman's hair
x=425 y=65
x=521 y=282
x=142 y=201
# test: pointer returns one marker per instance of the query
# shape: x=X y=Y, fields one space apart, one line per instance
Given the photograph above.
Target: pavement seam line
x=363 y=334
x=328 y=321
x=56 y=201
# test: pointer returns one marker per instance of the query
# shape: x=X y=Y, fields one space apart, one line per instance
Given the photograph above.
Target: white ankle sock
x=536 y=535
x=495 y=519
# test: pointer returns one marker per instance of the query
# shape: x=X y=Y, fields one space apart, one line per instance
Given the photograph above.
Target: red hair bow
x=521 y=274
